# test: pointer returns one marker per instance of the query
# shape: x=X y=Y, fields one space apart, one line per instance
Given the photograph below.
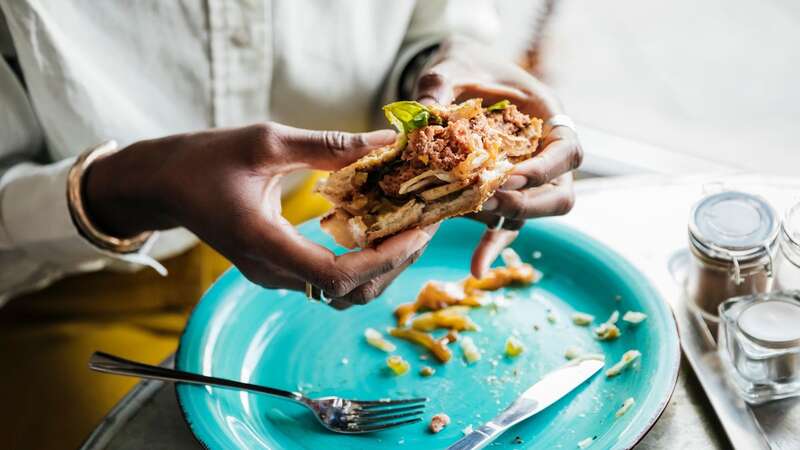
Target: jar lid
x=733 y=225
x=772 y=322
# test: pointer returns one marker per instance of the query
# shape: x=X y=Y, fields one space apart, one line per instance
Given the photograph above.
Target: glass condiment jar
x=787 y=259
x=759 y=344
x=732 y=237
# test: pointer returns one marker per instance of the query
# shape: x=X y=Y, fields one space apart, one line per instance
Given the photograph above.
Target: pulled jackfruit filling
x=442 y=158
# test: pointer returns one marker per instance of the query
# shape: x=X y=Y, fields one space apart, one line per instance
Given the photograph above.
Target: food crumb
x=634 y=317
x=535 y=327
x=467 y=430
x=471 y=352
x=438 y=422
x=398 y=365
x=582 y=319
x=626 y=405
x=536 y=255
x=345 y=361
x=518 y=440
x=376 y=339
x=551 y=317
x=586 y=442
x=572 y=352
x=513 y=347
x=627 y=358
x=606 y=332
x=427 y=371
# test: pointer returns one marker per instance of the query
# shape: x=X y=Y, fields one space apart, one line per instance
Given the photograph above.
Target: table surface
x=149 y=417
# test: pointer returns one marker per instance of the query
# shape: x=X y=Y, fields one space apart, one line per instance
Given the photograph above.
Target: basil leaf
x=502 y=104
x=407 y=116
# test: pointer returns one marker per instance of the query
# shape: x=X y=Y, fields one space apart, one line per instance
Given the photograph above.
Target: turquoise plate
x=278 y=338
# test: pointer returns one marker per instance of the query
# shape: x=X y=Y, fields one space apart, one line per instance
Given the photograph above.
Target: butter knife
x=544 y=393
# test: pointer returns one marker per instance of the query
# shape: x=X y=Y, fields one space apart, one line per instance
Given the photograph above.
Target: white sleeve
x=432 y=21
x=38 y=241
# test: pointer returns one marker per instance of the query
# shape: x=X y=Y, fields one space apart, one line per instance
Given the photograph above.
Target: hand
x=538 y=187
x=224 y=185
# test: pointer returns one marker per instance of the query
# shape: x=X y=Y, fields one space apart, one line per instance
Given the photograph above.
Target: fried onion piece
x=437 y=347
x=453 y=318
x=435 y=296
x=500 y=277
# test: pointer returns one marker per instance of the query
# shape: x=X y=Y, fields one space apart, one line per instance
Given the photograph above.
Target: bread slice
x=350 y=231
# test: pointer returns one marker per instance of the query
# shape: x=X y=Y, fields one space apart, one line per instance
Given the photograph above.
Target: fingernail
x=490 y=204
x=379 y=137
x=515 y=182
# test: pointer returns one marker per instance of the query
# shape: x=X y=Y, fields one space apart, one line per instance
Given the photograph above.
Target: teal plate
x=279 y=339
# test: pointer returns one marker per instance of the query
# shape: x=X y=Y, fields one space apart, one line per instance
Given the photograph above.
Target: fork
x=334 y=413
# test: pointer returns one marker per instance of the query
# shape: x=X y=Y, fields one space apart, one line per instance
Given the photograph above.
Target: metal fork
x=334 y=413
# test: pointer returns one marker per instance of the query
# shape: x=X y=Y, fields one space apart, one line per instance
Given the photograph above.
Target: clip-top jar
x=787 y=261
x=732 y=238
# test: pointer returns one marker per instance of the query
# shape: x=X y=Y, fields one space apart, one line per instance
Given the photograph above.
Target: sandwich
x=447 y=161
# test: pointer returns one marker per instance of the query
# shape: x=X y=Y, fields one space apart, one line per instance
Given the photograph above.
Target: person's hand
x=538 y=187
x=224 y=185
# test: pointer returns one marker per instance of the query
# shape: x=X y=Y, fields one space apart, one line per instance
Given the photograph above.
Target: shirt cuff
x=405 y=56
x=35 y=218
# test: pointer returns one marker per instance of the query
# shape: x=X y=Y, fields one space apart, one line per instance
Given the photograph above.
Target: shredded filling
x=442 y=159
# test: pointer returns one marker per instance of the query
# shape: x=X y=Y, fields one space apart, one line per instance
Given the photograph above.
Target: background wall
x=716 y=79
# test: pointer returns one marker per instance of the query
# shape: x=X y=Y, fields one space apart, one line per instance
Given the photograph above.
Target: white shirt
x=137 y=69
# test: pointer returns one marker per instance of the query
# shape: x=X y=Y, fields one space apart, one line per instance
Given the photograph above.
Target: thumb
x=331 y=150
x=433 y=87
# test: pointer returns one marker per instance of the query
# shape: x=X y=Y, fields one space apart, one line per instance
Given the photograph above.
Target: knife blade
x=542 y=394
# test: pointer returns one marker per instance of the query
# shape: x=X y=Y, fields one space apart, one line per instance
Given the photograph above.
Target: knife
x=544 y=393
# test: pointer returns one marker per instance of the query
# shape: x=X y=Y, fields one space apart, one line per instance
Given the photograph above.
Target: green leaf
x=407 y=116
x=502 y=104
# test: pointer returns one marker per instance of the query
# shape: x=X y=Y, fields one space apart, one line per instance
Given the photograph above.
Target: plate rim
x=674 y=361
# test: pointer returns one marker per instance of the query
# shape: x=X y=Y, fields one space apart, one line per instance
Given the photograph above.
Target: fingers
x=327 y=150
x=375 y=287
x=433 y=87
x=335 y=275
x=553 y=199
x=489 y=248
x=561 y=154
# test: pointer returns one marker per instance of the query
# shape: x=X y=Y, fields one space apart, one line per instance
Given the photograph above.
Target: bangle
x=78 y=213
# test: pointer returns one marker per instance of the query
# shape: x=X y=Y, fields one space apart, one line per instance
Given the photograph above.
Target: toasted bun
x=340 y=184
x=350 y=231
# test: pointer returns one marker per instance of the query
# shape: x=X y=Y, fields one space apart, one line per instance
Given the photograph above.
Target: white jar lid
x=772 y=323
x=733 y=225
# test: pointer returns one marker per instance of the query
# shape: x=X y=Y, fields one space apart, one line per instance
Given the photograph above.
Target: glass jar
x=732 y=237
x=759 y=344
x=787 y=260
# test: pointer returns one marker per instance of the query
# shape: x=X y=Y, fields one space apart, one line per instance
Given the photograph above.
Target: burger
x=447 y=161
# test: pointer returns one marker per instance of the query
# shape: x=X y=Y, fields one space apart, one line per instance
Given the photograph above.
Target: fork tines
x=367 y=416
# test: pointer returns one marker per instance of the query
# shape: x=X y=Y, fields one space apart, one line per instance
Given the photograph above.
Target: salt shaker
x=759 y=344
x=787 y=259
x=732 y=238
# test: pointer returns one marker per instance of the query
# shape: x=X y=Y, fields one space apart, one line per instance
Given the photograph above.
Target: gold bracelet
x=78 y=213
